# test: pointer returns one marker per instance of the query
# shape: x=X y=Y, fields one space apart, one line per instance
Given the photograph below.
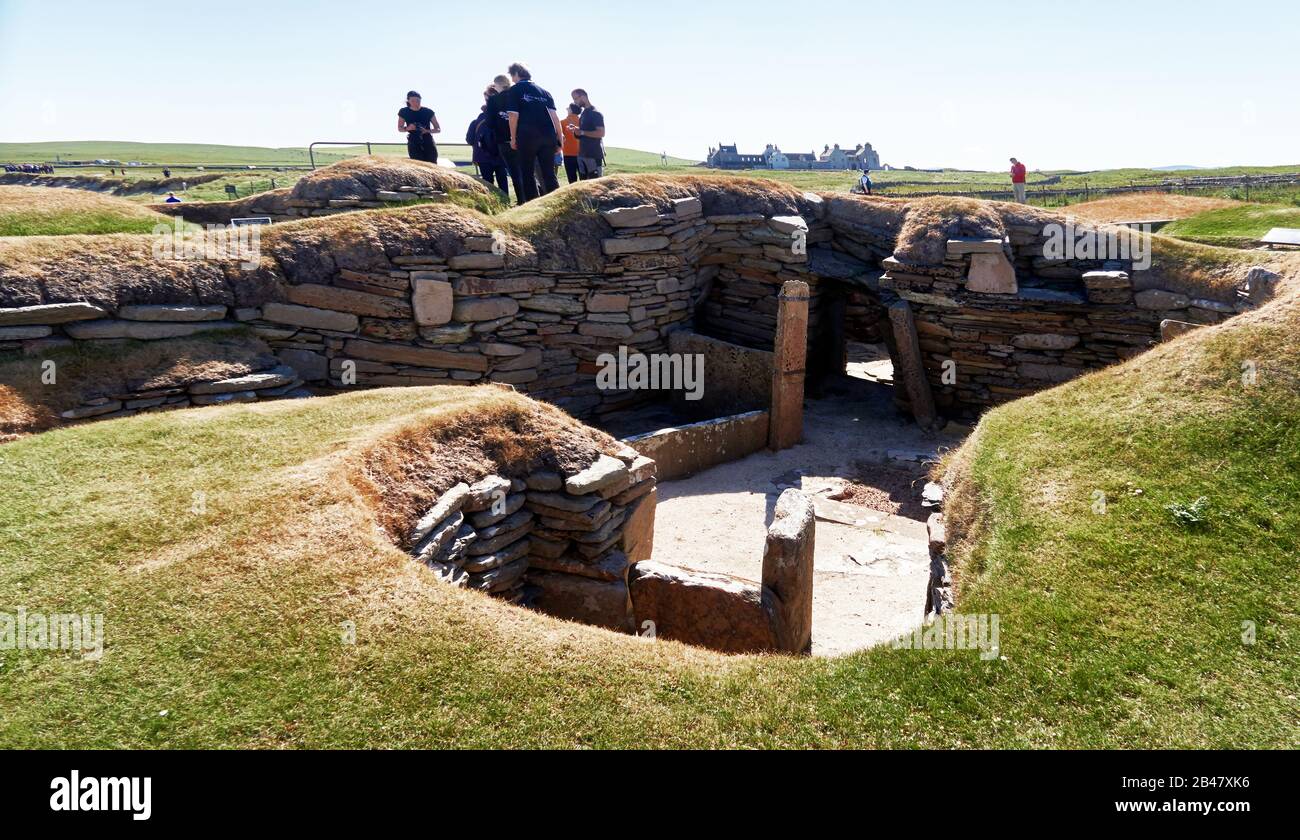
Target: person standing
x=590 y=134
x=865 y=182
x=419 y=124
x=1018 y=180
x=499 y=123
x=570 y=149
x=482 y=141
x=535 y=132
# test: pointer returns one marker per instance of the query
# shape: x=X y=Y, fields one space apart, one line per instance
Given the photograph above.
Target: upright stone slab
x=788 y=571
x=912 y=373
x=991 y=274
x=785 y=428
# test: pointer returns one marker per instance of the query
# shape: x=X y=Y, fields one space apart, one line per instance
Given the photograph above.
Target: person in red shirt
x=1018 y=179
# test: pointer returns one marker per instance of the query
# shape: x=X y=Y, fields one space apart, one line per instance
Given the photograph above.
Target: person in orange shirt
x=570 y=147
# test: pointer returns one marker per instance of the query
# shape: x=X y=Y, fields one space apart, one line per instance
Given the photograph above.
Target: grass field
x=1237 y=227
x=33 y=211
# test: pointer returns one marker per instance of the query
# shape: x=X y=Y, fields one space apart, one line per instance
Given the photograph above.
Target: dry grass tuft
x=37 y=204
x=931 y=222
x=492 y=430
x=86 y=372
x=1136 y=207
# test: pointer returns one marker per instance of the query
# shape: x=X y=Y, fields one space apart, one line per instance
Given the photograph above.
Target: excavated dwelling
x=721 y=515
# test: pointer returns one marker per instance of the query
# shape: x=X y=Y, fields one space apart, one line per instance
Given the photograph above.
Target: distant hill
x=1178 y=167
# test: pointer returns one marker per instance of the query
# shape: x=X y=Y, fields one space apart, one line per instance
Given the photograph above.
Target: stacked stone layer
x=1000 y=316
x=560 y=543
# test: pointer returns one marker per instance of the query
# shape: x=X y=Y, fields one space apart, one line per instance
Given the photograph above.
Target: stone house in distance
x=863 y=156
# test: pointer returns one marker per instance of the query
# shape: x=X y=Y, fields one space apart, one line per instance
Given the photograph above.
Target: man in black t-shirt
x=535 y=132
x=419 y=124
x=496 y=109
x=590 y=134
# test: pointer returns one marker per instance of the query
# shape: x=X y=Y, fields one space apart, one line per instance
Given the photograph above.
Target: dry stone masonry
x=988 y=321
x=562 y=544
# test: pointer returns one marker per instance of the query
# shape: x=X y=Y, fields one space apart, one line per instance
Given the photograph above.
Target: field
x=32 y=211
x=1237 y=226
x=1146 y=206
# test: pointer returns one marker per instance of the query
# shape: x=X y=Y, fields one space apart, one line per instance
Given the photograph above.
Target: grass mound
x=42 y=211
x=406 y=471
x=361 y=178
x=1234 y=227
x=84 y=371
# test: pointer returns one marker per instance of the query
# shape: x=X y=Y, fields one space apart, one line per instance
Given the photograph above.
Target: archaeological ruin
x=770 y=286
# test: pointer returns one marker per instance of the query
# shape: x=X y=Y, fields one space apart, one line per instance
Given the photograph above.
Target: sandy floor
x=870 y=568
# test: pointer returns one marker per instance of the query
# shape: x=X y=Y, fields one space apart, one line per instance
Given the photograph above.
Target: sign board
x=1282 y=236
x=250 y=220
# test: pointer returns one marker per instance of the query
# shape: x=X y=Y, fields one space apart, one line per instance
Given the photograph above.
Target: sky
x=929 y=84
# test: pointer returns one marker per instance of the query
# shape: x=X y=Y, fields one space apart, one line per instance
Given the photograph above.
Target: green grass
x=1234 y=226
x=62 y=224
x=28 y=211
x=1121 y=629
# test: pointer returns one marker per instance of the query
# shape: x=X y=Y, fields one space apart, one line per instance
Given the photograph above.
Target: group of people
x=30 y=168
x=519 y=141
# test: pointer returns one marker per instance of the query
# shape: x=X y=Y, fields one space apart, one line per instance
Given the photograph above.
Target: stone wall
x=578 y=547
x=560 y=543
x=685 y=450
x=398 y=304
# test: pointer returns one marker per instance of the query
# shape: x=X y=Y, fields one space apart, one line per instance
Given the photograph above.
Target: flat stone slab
x=788 y=224
x=141 y=330
x=1160 y=299
x=605 y=472
x=282 y=375
x=51 y=313
x=991 y=273
x=634 y=245
x=308 y=316
x=960 y=247
x=1281 y=236
x=1051 y=296
x=857 y=516
x=476 y=260
x=168 y=312
x=23 y=333
x=642 y=215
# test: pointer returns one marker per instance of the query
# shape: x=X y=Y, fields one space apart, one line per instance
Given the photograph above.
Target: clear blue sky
x=1060 y=85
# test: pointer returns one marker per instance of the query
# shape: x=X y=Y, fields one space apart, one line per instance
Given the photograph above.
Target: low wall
x=681 y=451
x=736 y=378
x=732 y=614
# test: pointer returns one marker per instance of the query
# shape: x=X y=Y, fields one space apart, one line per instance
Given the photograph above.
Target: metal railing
x=311 y=148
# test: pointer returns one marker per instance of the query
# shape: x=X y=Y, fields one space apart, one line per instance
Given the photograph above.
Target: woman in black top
x=419 y=125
